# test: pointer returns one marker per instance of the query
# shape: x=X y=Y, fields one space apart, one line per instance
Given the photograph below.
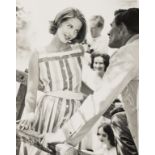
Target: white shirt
x=91 y=77
x=99 y=44
x=103 y=151
x=120 y=77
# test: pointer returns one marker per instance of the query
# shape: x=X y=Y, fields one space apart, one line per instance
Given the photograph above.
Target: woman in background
x=99 y=64
x=106 y=136
x=107 y=140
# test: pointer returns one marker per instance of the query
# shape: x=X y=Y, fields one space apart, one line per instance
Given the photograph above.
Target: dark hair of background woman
x=108 y=130
x=105 y=57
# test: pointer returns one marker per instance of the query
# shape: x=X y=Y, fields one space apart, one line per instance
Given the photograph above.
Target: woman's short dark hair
x=105 y=57
x=108 y=130
x=65 y=15
x=129 y=17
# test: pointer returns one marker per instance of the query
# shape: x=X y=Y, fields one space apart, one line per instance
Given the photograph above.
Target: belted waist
x=66 y=94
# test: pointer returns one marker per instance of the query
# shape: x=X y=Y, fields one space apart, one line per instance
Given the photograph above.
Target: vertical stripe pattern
x=70 y=76
x=80 y=62
x=63 y=71
x=49 y=75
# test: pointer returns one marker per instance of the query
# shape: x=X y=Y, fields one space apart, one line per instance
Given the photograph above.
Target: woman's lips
x=67 y=37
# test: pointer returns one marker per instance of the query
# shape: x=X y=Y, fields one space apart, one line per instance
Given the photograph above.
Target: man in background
x=97 y=41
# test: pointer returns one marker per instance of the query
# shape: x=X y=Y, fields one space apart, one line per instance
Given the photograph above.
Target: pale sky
x=42 y=11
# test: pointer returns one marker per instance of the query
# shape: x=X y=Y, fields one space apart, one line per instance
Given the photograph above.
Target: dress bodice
x=60 y=71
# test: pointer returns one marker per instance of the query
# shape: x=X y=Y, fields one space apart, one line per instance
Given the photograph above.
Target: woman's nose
x=100 y=138
x=72 y=33
x=97 y=65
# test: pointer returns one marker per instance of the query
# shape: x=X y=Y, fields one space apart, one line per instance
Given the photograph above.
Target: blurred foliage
x=22 y=22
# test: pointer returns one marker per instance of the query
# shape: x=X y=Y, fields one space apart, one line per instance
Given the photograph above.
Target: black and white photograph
x=77 y=77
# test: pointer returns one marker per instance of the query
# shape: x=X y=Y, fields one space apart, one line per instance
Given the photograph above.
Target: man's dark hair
x=119 y=11
x=116 y=109
x=129 y=17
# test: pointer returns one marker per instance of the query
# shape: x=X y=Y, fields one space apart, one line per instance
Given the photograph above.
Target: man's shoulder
x=134 y=44
x=128 y=52
x=130 y=47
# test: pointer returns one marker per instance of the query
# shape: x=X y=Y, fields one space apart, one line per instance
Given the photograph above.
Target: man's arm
x=121 y=71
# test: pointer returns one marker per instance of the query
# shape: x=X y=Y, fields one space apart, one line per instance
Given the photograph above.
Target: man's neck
x=126 y=38
x=134 y=37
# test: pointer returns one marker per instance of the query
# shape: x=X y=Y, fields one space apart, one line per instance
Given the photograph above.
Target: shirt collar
x=133 y=38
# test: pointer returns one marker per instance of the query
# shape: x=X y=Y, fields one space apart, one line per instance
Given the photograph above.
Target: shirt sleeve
x=32 y=87
x=121 y=71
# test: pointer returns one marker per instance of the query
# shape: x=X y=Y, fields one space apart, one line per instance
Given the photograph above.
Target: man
x=120 y=77
x=97 y=41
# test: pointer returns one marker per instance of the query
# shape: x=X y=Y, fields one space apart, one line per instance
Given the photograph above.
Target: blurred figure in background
x=96 y=70
x=106 y=136
x=97 y=41
x=99 y=64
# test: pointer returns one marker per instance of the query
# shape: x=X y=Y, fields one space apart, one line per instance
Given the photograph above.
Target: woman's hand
x=26 y=122
x=53 y=138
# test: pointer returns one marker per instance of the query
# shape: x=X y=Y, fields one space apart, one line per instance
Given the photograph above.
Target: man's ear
x=123 y=29
x=124 y=33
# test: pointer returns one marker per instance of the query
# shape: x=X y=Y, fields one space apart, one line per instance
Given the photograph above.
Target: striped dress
x=59 y=74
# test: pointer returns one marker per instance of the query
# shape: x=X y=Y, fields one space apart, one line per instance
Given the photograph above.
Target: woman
x=57 y=69
x=106 y=136
x=99 y=62
x=107 y=139
x=99 y=65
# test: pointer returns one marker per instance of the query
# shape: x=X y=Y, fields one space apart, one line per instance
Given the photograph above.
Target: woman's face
x=69 y=29
x=98 y=64
x=103 y=137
